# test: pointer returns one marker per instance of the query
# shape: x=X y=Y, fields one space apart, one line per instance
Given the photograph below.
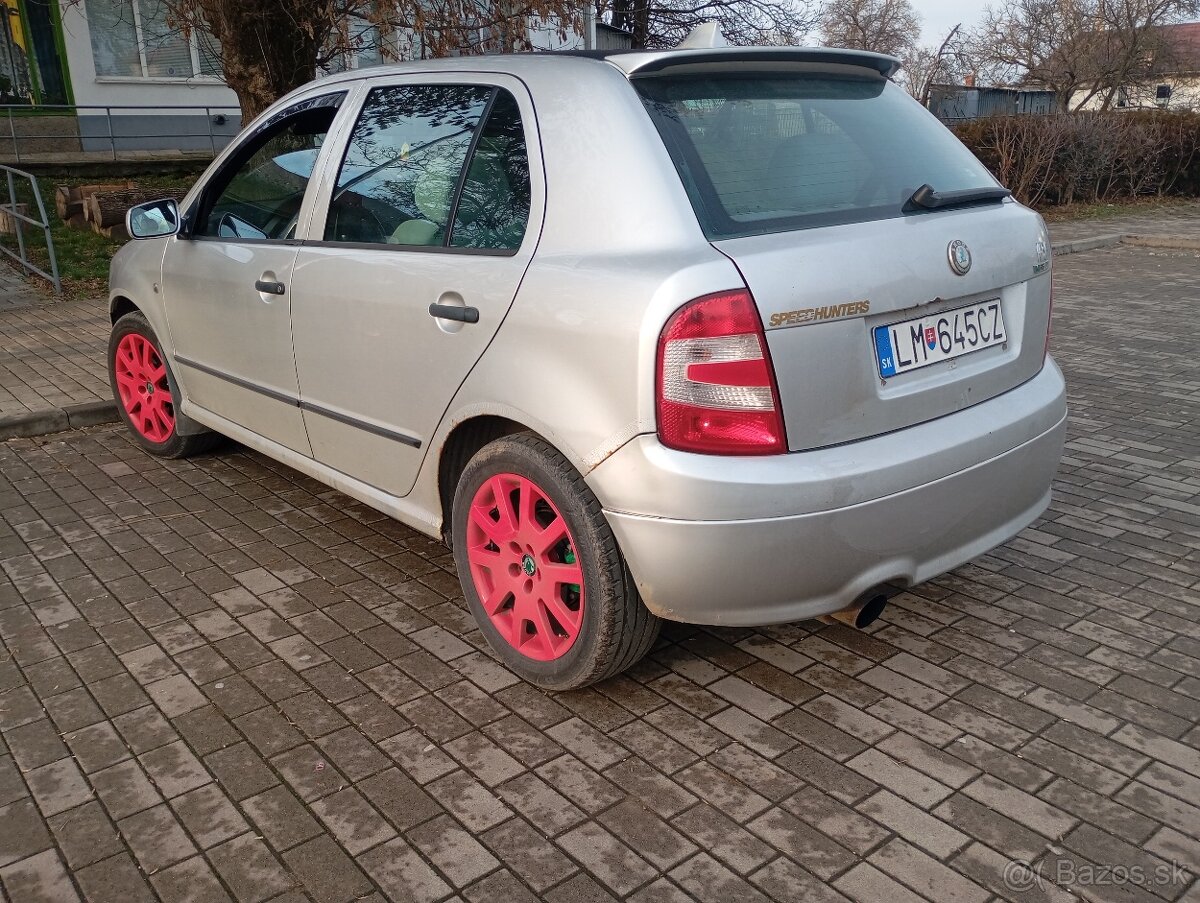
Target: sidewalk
x=51 y=359
x=1181 y=222
x=52 y=351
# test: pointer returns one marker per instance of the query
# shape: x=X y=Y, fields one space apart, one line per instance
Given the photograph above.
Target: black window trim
x=466 y=166
x=408 y=249
x=202 y=206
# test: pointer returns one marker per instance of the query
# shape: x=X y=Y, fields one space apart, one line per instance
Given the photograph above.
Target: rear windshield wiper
x=929 y=199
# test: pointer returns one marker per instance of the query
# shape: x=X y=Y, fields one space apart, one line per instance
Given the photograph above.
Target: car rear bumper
x=906 y=514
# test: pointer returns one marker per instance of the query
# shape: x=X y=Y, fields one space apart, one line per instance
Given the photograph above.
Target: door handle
x=454 y=312
x=270 y=288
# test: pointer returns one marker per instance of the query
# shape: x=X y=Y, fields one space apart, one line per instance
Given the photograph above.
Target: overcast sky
x=939 y=16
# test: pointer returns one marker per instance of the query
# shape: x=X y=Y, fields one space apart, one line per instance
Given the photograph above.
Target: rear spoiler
x=643 y=62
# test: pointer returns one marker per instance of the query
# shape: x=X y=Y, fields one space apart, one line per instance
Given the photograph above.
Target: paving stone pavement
x=222 y=681
x=1175 y=221
x=51 y=351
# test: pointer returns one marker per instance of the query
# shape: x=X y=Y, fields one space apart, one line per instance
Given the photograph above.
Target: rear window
x=780 y=152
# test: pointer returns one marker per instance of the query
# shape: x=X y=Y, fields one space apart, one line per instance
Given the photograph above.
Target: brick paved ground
x=51 y=351
x=222 y=680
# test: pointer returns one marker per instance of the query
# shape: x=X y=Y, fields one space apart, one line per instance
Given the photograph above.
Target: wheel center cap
x=528 y=566
x=149 y=388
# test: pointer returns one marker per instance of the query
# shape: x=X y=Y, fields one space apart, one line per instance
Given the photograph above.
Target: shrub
x=1090 y=157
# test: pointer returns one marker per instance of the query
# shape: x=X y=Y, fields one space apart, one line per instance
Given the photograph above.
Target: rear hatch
x=884 y=305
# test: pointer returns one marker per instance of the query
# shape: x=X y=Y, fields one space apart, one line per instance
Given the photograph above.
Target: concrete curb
x=56 y=420
x=1168 y=242
x=1100 y=242
x=1088 y=244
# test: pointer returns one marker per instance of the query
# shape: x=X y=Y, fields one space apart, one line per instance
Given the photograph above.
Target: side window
x=493 y=209
x=259 y=195
x=403 y=164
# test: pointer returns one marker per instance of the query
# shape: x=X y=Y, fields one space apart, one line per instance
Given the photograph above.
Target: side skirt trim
x=292 y=400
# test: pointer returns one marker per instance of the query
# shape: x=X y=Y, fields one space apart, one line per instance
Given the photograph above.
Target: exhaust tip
x=859 y=615
x=870 y=611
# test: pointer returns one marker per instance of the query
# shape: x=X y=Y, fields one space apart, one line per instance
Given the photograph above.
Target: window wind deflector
x=927 y=198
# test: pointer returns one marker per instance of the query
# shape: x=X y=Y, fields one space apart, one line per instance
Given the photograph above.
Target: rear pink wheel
x=540 y=567
x=524 y=567
x=145 y=393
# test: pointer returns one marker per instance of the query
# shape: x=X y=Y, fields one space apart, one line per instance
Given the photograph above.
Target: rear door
x=879 y=312
x=430 y=225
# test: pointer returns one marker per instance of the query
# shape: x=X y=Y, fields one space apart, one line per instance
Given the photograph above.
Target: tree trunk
x=64 y=204
x=108 y=208
x=641 y=23
x=621 y=17
x=70 y=201
x=268 y=47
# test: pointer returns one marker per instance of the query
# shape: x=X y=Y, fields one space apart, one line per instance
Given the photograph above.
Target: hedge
x=1090 y=157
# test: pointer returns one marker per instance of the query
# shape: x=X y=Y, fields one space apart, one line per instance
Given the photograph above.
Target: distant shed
x=955 y=103
x=610 y=38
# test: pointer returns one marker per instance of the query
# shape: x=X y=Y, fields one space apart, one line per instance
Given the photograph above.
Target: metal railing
x=15 y=210
x=120 y=128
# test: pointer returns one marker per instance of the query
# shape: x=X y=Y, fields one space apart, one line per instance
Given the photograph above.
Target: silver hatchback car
x=725 y=336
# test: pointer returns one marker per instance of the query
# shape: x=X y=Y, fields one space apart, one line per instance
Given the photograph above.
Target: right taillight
x=716 y=388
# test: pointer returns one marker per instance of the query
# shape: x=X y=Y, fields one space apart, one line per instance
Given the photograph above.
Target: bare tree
x=664 y=23
x=924 y=67
x=1079 y=49
x=884 y=26
x=267 y=48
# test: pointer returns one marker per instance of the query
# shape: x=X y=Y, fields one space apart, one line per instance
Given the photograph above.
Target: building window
x=1162 y=96
x=363 y=47
x=134 y=39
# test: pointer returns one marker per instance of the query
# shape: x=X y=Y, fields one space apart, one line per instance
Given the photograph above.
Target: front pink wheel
x=142 y=387
x=541 y=570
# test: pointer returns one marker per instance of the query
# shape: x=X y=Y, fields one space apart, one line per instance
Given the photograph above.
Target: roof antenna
x=704 y=36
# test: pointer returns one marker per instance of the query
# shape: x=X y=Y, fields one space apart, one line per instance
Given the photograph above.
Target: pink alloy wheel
x=524 y=567
x=142 y=383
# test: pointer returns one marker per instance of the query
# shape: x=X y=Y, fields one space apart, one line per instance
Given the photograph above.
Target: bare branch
x=884 y=26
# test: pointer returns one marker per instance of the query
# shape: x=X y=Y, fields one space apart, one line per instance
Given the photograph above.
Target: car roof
x=635 y=62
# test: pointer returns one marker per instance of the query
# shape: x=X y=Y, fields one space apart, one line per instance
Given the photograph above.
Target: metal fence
x=38 y=133
x=18 y=218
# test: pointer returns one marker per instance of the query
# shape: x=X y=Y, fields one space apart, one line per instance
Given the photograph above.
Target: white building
x=1176 y=87
x=139 y=83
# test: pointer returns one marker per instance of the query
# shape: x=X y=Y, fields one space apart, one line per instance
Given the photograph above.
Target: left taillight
x=716 y=389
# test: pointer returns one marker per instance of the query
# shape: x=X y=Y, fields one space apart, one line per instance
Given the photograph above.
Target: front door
x=227 y=282
x=427 y=236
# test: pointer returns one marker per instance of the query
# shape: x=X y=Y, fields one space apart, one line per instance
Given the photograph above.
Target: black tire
x=173 y=445
x=617 y=629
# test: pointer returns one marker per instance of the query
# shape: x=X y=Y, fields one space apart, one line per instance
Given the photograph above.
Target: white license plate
x=921 y=341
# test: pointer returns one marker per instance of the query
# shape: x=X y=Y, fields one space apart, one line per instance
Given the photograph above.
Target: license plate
x=929 y=339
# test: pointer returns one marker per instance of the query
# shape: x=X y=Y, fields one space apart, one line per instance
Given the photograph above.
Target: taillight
x=716 y=386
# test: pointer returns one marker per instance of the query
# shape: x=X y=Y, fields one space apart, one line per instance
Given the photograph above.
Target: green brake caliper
x=569 y=558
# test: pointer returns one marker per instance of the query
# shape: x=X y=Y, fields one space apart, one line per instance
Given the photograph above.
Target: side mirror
x=153 y=220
